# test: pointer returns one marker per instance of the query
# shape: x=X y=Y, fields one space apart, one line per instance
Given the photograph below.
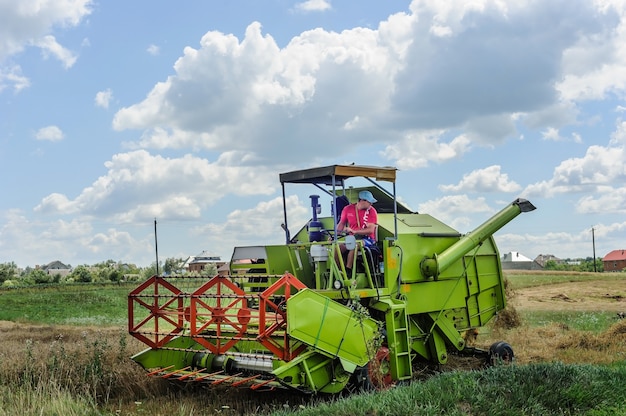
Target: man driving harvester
x=360 y=220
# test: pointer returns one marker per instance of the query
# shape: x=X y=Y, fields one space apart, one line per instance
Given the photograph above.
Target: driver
x=359 y=219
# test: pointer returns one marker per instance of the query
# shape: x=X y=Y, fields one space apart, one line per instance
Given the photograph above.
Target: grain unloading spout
x=433 y=266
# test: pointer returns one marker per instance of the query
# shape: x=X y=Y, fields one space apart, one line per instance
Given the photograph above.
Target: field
x=571 y=318
x=65 y=351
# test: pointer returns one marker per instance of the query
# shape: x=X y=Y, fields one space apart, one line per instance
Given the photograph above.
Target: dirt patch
x=609 y=295
x=7 y=325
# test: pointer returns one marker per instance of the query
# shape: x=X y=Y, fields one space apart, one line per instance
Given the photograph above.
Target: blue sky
x=115 y=113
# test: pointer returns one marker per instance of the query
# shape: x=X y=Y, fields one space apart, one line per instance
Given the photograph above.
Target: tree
x=81 y=274
x=149 y=271
x=40 y=277
x=172 y=265
x=8 y=271
x=116 y=276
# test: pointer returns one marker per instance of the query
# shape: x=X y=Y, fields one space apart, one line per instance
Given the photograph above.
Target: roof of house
x=546 y=257
x=56 y=265
x=204 y=257
x=515 y=256
x=615 y=255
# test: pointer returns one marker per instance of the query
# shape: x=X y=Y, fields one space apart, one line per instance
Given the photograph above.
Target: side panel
x=330 y=327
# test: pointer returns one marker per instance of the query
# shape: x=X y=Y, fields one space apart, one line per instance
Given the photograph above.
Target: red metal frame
x=219 y=326
x=152 y=336
x=286 y=283
x=218 y=316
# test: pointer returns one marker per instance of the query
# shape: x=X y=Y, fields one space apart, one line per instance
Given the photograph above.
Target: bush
x=81 y=274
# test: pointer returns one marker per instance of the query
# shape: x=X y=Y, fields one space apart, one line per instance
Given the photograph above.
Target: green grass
x=593 y=321
x=77 y=304
x=539 y=389
x=523 y=279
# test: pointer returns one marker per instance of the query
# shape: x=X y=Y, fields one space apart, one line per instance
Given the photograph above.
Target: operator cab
x=331 y=180
x=320 y=234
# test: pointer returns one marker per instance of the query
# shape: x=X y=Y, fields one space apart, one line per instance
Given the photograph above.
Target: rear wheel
x=501 y=353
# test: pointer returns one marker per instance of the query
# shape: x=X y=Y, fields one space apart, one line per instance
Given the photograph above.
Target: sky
x=117 y=114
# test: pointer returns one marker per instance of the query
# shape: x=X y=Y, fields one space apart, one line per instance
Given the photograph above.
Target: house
x=516 y=261
x=56 y=267
x=615 y=261
x=196 y=264
x=224 y=269
x=542 y=259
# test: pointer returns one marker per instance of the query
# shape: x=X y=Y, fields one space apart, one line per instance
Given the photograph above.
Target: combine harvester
x=297 y=316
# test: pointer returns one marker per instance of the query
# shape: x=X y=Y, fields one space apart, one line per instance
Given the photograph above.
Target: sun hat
x=367 y=196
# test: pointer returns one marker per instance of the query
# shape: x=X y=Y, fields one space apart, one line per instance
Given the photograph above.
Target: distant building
x=615 y=261
x=196 y=264
x=542 y=259
x=224 y=269
x=516 y=261
x=56 y=267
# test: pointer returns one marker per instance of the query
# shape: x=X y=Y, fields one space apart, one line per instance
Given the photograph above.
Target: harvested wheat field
x=598 y=295
x=540 y=322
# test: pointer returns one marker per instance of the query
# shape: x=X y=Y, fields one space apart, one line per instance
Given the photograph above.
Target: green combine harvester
x=296 y=316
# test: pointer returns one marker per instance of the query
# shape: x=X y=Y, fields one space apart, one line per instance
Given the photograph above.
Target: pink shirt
x=366 y=216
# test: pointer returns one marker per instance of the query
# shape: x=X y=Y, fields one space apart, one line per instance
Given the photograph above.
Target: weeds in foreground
x=537 y=389
x=56 y=370
x=65 y=371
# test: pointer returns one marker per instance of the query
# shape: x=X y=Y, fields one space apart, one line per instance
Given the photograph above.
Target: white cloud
x=111 y=241
x=103 y=98
x=258 y=225
x=229 y=95
x=39 y=242
x=606 y=199
x=600 y=168
x=50 y=133
x=50 y=46
x=455 y=210
x=594 y=65
x=313 y=6
x=489 y=179
x=153 y=50
x=11 y=76
x=185 y=186
x=551 y=134
x=416 y=150
x=29 y=23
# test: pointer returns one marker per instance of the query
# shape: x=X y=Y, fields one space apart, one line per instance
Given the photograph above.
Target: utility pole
x=156 y=247
x=593 y=241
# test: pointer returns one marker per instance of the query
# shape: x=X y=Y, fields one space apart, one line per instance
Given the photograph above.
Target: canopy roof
x=324 y=175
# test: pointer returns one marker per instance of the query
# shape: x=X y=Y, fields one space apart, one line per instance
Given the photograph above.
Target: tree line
x=106 y=271
x=115 y=271
x=578 y=265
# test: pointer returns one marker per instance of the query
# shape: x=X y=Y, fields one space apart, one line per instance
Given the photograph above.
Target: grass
x=66 y=352
x=539 y=389
x=593 y=321
x=519 y=279
x=76 y=304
